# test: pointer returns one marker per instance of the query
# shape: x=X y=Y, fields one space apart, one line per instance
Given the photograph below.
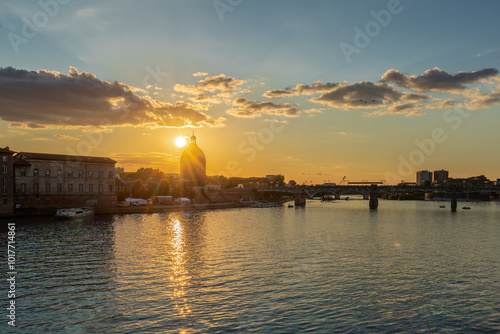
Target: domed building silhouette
x=193 y=164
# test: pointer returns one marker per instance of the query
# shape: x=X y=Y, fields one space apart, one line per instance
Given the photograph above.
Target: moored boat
x=73 y=213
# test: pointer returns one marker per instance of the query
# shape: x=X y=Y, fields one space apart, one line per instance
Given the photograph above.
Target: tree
x=292 y=183
x=120 y=196
x=278 y=179
x=164 y=189
x=137 y=189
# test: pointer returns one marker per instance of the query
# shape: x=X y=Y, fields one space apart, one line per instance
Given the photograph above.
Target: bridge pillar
x=300 y=197
x=373 y=198
x=454 y=201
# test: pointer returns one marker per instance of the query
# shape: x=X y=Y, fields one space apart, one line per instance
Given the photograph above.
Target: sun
x=180 y=141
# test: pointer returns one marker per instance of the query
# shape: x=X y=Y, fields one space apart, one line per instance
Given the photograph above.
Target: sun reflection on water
x=179 y=273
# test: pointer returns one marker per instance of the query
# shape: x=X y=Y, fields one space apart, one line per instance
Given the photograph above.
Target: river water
x=410 y=267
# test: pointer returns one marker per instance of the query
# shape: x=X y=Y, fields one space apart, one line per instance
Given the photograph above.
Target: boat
x=290 y=205
x=73 y=213
x=442 y=206
x=466 y=208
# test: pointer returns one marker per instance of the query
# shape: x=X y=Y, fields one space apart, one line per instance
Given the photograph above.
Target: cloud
x=50 y=99
x=220 y=82
x=154 y=159
x=200 y=74
x=448 y=103
x=407 y=109
x=437 y=80
x=40 y=139
x=250 y=109
x=301 y=89
x=364 y=94
x=483 y=100
x=65 y=137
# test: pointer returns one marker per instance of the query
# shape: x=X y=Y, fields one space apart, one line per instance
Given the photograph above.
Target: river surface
x=409 y=267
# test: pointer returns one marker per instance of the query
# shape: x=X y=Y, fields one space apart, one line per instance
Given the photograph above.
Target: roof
x=18 y=161
x=64 y=157
x=193 y=152
x=6 y=150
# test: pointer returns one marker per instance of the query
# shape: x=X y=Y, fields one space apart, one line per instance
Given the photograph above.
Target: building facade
x=56 y=180
x=441 y=175
x=422 y=176
x=7 y=181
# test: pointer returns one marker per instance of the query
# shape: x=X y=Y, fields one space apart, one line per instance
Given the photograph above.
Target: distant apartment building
x=422 y=176
x=440 y=175
x=7 y=181
x=39 y=180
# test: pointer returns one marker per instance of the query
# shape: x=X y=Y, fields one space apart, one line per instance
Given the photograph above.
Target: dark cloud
x=302 y=89
x=363 y=94
x=437 y=80
x=52 y=99
x=247 y=108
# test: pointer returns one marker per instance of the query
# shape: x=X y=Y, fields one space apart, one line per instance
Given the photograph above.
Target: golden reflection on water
x=179 y=273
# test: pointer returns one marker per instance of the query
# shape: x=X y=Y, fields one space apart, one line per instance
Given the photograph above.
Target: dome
x=193 y=163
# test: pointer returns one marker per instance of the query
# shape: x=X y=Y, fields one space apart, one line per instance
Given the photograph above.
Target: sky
x=313 y=90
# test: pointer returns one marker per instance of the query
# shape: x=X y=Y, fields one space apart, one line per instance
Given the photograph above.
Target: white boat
x=72 y=213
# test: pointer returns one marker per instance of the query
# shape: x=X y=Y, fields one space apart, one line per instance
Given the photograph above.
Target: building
x=440 y=175
x=480 y=181
x=7 y=181
x=250 y=182
x=193 y=164
x=422 y=176
x=55 y=180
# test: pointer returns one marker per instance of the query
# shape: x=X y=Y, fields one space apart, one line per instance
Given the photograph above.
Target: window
x=59 y=172
x=91 y=173
x=101 y=188
x=35 y=172
x=91 y=188
x=70 y=187
x=23 y=171
x=110 y=188
x=4 y=158
x=4 y=185
x=5 y=201
x=5 y=169
x=23 y=187
x=80 y=173
x=59 y=187
x=101 y=175
x=110 y=174
x=70 y=173
x=47 y=172
x=47 y=188
x=80 y=188
x=35 y=187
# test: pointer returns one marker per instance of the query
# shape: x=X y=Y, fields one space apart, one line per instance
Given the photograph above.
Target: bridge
x=369 y=192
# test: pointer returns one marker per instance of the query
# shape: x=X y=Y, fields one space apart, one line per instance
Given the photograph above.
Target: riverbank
x=133 y=209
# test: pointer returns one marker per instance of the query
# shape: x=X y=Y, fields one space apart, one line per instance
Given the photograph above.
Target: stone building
x=55 y=180
x=7 y=181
